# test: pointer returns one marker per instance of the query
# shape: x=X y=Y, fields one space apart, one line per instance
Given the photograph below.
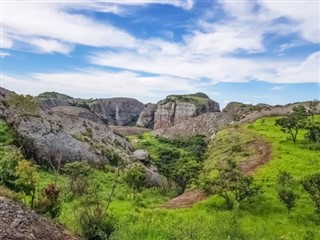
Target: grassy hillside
x=263 y=217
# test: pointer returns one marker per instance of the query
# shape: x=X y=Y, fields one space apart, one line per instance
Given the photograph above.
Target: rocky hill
x=175 y=109
x=67 y=133
x=113 y=111
x=146 y=118
x=17 y=222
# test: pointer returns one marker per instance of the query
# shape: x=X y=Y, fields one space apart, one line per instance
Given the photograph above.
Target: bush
x=135 y=177
x=78 y=173
x=8 y=166
x=312 y=186
x=49 y=202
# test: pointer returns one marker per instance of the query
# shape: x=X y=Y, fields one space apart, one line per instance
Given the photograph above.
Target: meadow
x=262 y=217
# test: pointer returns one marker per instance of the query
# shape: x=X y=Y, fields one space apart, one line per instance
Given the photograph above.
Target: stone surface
x=117 y=111
x=17 y=222
x=146 y=118
x=175 y=109
x=141 y=155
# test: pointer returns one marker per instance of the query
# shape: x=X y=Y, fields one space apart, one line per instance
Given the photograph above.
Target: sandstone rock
x=175 y=109
x=146 y=118
x=205 y=124
x=17 y=222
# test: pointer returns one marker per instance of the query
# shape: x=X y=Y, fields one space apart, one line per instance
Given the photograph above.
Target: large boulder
x=175 y=109
x=18 y=222
x=141 y=155
x=117 y=111
x=146 y=118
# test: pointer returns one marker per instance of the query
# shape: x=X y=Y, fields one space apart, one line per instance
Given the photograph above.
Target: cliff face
x=175 y=109
x=146 y=118
x=118 y=111
x=17 y=222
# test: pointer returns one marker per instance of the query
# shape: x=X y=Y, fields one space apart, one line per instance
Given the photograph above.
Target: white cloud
x=305 y=16
x=97 y=83
x=51 y=45
x=4 y=54
x=306 y=72
x=277 y=88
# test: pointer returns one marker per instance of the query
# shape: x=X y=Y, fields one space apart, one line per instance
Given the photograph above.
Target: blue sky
x=250 y=51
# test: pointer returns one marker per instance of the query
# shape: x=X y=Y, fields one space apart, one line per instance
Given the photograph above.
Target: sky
x=257 y=51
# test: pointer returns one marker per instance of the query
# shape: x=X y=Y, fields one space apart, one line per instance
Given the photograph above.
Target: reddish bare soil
x=187 y=199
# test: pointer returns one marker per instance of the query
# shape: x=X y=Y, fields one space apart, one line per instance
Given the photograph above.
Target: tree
x=293 y=122
x=22 y=105
x=78 y=173
x=232 y=184
x=185 y=171
x=27 y=179
x=312 y=185
x=135 y=177
x=312 y=107
x=166 y=162
x=286 y=192
x=313 y=133
x=8 y=165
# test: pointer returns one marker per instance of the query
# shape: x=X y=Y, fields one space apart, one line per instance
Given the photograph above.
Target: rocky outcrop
x=239 y=110
x=205 y=124
x=117 y=111
x=146 y=118
x=50 y=100
x=175 y=109
x=17 y=222
x=279 y=110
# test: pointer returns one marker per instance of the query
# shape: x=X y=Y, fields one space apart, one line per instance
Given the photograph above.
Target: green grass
x=263 y=217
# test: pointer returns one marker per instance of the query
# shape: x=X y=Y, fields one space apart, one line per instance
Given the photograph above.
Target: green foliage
x=22 y=105
x=78 y=173
x=49 y=202
x=8 y=165
x=135 y=177
x=113 y=157
x=312 y=185
x=293 y=122
x=231 y=184
x=286 y=190
x=313 y=133
x=27 y=179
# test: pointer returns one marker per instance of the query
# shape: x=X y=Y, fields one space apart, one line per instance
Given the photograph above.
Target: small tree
x=232 y=184
x=22 y=105
x=293 y=122
x=185 y=171
x=8 y=165
x=312 y=186
x=135 y=177
x=78 y=173
x=27 y=178
x=49 y=201
x=313 y=134
x=312 y=107
x=286 y=190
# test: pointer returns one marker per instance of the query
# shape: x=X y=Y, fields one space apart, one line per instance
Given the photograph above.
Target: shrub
x=135 y=177
x=312 y=186
x=49 y=202
x=78 y=173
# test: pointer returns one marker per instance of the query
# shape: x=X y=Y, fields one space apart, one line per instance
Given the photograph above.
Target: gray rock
x=176 y=109
x=141 y=155
x=146 y=118
x=17 y=222
x=118 y=111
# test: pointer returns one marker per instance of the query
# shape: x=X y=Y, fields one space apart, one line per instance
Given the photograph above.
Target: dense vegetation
x=281 y=209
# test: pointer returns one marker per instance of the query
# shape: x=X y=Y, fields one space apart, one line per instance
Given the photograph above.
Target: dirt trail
x=187 y=199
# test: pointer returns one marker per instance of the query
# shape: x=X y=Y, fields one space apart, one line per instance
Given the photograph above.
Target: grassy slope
x=263 y=218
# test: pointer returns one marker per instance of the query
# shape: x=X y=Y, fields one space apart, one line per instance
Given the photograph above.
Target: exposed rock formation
x=146 y=118
x=239 y=110
x=206 y=124
x=177 y=108
x=17 y=222
x=50 y=100
x=117 y=111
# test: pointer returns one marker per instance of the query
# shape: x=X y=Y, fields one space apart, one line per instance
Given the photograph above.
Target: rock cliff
x=146 y=118
x=18 y=222
x=177 y=108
